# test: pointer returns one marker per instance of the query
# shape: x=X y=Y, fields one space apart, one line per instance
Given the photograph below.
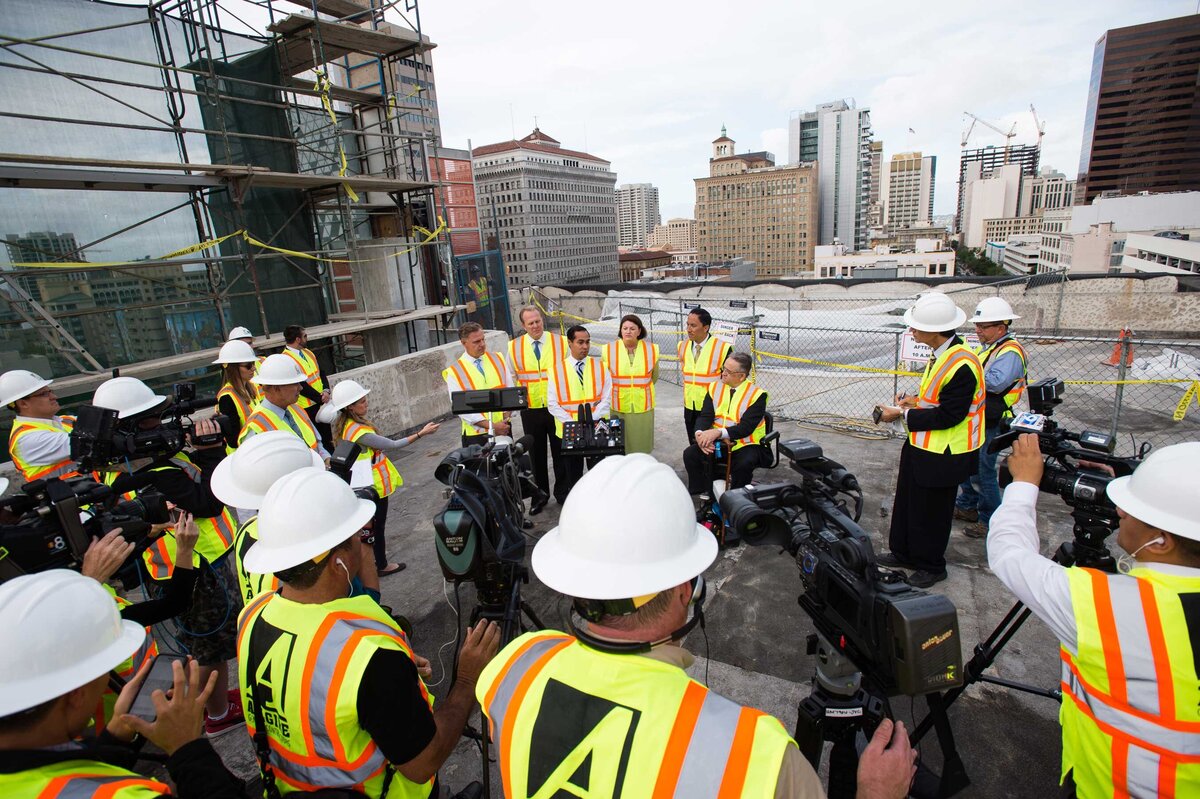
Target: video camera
x=57 y=519
x=100 y=438
x=343 y=463
x=903 y=640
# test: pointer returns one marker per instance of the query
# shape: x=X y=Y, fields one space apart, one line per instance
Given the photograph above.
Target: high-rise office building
x=678 y=234
x=551 y=210
x=637 y=213
x=1049 y=190
x=910 y=180
x=838 y=137
x=747 y=207
x=874 y=199
x=990 y=158
x=1141 y=129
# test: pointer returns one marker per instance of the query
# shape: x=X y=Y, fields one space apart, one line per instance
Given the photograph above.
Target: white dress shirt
x=569 y=366
x=477 y=420
x=41 y=447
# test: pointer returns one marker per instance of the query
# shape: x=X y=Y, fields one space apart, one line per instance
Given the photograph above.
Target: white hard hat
x=278 y=370
x=61 y=631
x=993 y=309
x=236 y=352
x=19 y=384
x=1162 y=491
x=304 y=514
x=128 y=395
x=242 y=479
x=3 y=485
x=934 y=312
x=240 y=332
x=346 y=393
x=627 y=529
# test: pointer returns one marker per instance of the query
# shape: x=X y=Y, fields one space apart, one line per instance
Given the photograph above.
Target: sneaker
x=976 y=530
x=966 y=514
x=891 y=561
x=234 y=717
x=925 y=579
x=234 y=695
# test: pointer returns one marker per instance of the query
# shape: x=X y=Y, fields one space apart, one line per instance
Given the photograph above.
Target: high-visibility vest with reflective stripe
x=312 y=372
x=307 y=662
x=244 y=409
x=264 y=419
x=570 y=394
x=216 y=533
x=730 y=403
x=37 y=471
x=700 y=372
x=1013 y=393
x=127 y=668
x=632 y=383
x=384 y=475
x=647 y=729
x=967 y=435
x=463 y=376
x=479 y=288
x=1131 y=701
x=531 y=372
x=79 y=779
x=251 y=584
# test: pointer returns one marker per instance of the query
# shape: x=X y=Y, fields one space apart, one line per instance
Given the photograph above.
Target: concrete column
x=387 y=282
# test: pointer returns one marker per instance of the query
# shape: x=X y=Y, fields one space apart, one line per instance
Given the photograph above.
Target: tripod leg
x=809 y=736
x=843 y=767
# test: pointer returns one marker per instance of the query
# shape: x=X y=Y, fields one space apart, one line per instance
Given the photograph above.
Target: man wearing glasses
x=734 y=414
x=40 y=443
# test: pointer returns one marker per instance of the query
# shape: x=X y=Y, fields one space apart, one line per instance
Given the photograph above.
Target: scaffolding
x=284 y=165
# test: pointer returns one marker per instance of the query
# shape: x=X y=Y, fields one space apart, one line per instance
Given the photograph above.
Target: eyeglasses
x=246 y=365
x=987 y=325
x=727 y=372
x=45 y=392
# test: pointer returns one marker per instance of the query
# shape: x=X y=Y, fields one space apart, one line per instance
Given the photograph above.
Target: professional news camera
x=344 y=462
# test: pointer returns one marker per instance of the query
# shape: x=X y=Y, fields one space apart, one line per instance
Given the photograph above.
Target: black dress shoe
x=925 y=579
x=538 y=507
x=891 y=561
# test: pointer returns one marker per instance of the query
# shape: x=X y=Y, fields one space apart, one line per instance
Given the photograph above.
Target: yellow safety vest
x=307 y=662
x=632 y=382
x=264 y=419
x=1131 y=701
x=37 y=471
x=244 y=409
x=251 y=583
x=463 y=376
x=967 y=435
x=479 y=288
x=80 y=779
x=127 y=668
x=701 y=372
x=1017 y=390
x=570 y=394
x=216 y=533
x=532 y=372
x=730 y=403
x=645 y=727
x=384 y=475
x=312 y=372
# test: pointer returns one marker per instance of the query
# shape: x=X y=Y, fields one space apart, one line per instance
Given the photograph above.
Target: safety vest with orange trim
x=244 y=409
x=1131 y=701
x=384 y=476
x=251 y=584
x=307 y=662
x=645 y=727
x=463 y=375
x=632 y=376
x=531 y=371
x=23 y=425
x=730 y=403
x=571 y=393
x=216 y=533
x=702 y=370
x=967 y=435
x=263 y=419
x=80 y=779
x=307 y=362
x=1007 y=399
x=127 y=669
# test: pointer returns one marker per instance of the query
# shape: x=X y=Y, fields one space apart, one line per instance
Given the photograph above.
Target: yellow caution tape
x=834 y=364
x=430 y=235
x=204 y=245
x=560 y=315
x=323 y=85
x=1193 y=393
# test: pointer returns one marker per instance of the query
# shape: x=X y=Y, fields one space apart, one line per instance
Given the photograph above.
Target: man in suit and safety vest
x=478 y=369
x=945 y=431
x=1130 y=642
x=314 y=392
x=40 y=443
x=337 y=697
x=281 y=381
x=531 y=355
x=575 y=381
x=700 y=359
x=614 y=694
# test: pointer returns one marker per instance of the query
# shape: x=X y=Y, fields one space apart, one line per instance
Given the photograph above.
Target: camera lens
x=751 y=522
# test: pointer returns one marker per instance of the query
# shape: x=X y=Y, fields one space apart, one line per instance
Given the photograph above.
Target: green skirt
x=639 y=431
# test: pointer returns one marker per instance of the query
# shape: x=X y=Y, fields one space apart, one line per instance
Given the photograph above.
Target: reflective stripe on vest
x=701 y=372
x=570 y=393
x=80 y=779
x=264 y=419
x=632 y=383
x=313 y=666
x=531 y=372
x=384 y=475
x=243 y=408
x=37 y=471
x=729 y=404
x=216 y=533
x=251 y=583
x=312 y=372
x=1130 y=714
x=654 y=731
x=463 y=376
x=967 y=435
x=1008 y=344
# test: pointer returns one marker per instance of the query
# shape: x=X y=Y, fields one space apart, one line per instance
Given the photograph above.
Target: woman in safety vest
x=633 y=364
x=350 y=401
x=237 y=396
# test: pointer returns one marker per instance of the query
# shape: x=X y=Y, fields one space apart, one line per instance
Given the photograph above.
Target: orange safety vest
x=701 y=372
x=244 y=409
x=967 y=435
x=65 y=468
x=1017 y=390
x=463 y=376
x=127 y=669
x=730 y=403
x=632 y=383
x=385 y=477
x=264 y=419
x=531 y=372
x=312 y=372
x=216 y=533
x=570 y=394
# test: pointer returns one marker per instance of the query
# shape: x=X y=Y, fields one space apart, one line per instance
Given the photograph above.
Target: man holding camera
x=474 y=370
x=337 y=694
x=1130 y=641
x=313 y=392
x=700 y=359
x=575 y=381
x=734 y=412
x=282 y=382
x=611 y=705
x=39 y=443
x=531 y=356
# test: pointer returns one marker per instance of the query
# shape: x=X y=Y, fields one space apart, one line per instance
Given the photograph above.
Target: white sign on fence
x=725 y=330
x=915 y=352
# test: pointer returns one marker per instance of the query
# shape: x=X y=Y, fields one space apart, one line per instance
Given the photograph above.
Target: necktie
x=579 y=371
x=287 y=417
x=479 y=366
x=695 y=352
x=537 y=350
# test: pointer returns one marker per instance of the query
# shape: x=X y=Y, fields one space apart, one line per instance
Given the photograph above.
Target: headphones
x=594 y=610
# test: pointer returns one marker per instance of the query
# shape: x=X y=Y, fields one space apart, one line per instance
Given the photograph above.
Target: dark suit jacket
x=938 y=470
x=744 y=427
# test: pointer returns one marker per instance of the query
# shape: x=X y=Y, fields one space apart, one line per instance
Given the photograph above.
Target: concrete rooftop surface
x=753 y=646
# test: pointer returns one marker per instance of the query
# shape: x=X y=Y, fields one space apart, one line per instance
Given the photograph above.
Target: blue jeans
x=982 y=492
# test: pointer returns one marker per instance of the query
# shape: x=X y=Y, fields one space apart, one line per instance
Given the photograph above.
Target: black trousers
x=379 y=546
x=538 y=422
x=702 y=468
x=480 y=439
x=689 y=421
x=567 y=471
x=324 y=431
x=921 y=517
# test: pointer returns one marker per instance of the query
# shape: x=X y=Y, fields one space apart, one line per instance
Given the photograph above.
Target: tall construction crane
x=1008 y=137
x=1039 y=125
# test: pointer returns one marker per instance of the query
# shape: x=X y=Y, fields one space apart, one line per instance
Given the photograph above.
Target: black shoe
x=538 y=507
x=891 y=561
x=472 y=791
x=925 y=579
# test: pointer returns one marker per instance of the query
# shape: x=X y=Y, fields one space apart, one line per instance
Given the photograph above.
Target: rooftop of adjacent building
x=536 y=142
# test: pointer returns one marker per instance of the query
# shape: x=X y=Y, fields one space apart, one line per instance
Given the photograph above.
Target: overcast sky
x=647 y=85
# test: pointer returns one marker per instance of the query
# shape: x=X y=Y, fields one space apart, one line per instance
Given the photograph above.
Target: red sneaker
x=234 y=717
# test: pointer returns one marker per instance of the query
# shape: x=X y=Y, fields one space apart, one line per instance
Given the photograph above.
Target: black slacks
x=921 y=515
x=702 y=468
x=689 y=421
x=567 y=471
x=538 y=422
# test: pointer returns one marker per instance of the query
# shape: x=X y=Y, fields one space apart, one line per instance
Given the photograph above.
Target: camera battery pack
x=926 y=649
